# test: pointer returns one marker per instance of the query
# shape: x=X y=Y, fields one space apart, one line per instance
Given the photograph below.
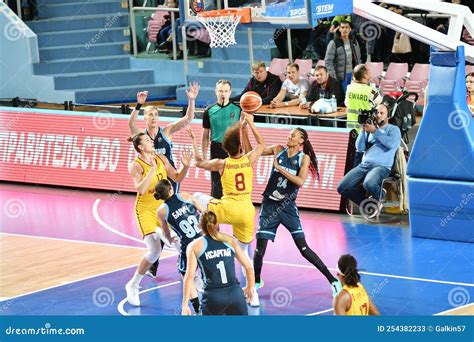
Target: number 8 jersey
x=236 y=207
x=237 y=178
x=183 y=218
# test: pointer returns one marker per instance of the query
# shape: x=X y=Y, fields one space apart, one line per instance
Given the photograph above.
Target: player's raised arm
x=173 y=174
x=192 y=94
x=132 y=126
x=210 y=165
x=258 y=150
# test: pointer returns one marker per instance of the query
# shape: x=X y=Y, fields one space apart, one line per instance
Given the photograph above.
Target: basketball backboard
x=290 y=13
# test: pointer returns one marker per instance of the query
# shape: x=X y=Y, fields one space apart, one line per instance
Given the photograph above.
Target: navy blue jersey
x=216 y=262
x=279 y=188
x=163 y=145
x=183 y=218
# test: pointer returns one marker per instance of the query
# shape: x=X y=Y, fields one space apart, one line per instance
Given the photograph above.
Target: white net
x=221 y=29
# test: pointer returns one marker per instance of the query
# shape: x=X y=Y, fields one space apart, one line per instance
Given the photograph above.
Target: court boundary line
x=319 y=312
x=70 y=240
x=435 y=314
x=454 y=309
x=123 y=301
x=95 y=214
x=82 y=279
x=377 y=274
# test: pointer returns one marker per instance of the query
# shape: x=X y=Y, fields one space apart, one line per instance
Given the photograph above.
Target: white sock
x=137 y=278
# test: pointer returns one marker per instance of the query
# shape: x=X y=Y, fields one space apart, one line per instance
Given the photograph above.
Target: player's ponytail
x=136 y=140
x=308 y=149
x=208 y=224
x=347 y=265
x=162 y=190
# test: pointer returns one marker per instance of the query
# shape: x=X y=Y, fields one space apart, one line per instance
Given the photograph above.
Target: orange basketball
x=250 y=102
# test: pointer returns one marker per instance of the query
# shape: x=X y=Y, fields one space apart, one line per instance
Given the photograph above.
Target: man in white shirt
x=293 y=89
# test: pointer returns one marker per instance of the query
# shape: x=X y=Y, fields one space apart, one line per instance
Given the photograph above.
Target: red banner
x=91 y=151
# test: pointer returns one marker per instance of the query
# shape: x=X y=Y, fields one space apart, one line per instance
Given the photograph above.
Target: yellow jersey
x=147 y=201
x=360 y=303
x=237 y=178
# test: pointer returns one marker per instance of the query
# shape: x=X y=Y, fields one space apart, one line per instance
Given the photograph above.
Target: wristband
x=138 y=106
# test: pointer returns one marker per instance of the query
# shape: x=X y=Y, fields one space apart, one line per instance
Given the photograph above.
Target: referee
x=216 y=120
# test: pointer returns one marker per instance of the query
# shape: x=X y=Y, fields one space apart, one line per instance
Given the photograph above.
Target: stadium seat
x=306 y=65
x=394 y=78
x=278 y=67
x=418 y=81
x=376 y=70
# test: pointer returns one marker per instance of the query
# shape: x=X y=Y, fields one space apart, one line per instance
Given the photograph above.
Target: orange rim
x=244 y=13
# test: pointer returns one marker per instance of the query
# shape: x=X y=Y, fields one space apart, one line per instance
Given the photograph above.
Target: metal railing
x=133 y=9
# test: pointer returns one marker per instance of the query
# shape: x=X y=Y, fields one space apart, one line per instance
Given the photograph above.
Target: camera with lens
x=367 y=116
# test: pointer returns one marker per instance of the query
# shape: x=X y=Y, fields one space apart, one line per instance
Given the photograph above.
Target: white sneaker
x=255 y=300
x=133 y=296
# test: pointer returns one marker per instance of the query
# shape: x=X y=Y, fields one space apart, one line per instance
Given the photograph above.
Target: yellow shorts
x=240 y=214
x=147 y=220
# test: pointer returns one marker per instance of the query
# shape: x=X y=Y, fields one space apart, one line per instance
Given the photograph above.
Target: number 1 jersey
x=216 y=261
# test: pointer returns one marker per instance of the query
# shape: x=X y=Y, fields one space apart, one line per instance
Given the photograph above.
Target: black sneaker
x=153 y=269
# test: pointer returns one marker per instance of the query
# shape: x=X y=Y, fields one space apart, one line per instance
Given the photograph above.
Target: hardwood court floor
x=31 y=264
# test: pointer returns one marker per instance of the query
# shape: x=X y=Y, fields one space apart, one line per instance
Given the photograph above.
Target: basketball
x=250 y=102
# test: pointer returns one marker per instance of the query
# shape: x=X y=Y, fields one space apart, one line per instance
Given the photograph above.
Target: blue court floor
x=403 y=275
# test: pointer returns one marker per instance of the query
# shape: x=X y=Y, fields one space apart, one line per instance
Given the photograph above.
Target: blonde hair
x=208 y=224
x=148 y=109
x=258 y=64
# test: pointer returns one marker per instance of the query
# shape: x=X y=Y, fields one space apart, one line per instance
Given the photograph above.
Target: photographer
x=379 y=141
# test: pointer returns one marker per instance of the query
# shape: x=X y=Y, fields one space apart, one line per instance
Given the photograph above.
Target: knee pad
x=154 y=248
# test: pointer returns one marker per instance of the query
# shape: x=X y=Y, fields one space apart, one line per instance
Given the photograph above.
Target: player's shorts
x=238 y=213
x=147 y=220
x=224 y=301
x=273 y=213
x=182 y=259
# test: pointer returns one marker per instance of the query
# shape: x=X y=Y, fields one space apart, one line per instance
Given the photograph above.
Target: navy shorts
x=273 y=213
x=224 y=301
x=182 y=259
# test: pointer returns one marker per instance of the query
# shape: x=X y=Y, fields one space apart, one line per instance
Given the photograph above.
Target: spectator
x=343 y=54
x=325 y=87
x=334 y=27
x=263 y=82
x=360 y=95
x=379 y=141
x=470 y=91
x=293 y=90
x=215 y=121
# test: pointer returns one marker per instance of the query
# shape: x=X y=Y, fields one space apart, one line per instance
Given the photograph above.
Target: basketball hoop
x=221 y=24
